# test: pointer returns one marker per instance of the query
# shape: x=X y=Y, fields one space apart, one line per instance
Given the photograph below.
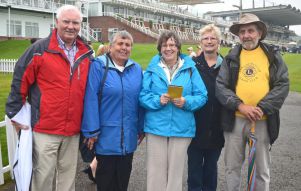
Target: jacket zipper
x=75 y=65
x=122 y=128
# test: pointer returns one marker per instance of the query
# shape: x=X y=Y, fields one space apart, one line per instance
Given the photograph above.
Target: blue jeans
x=202 y=169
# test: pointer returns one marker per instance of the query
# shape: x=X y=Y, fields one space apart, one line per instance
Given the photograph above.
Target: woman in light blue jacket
x=169 y=123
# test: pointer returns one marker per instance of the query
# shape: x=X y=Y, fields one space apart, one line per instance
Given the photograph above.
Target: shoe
x=88 y=171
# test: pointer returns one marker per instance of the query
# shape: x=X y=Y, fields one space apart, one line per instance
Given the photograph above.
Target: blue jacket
x=119 y=118
x=169 y=120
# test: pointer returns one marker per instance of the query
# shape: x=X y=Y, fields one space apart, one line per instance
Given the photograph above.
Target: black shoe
x=90 y=174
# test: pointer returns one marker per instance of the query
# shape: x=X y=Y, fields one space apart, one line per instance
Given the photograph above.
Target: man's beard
x=249 y=45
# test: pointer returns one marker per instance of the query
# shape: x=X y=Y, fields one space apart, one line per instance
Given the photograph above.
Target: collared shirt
x=171 y=71
x=70 y=53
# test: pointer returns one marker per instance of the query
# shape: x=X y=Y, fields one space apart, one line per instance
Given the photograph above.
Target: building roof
x=282 y=15
x=189 y=2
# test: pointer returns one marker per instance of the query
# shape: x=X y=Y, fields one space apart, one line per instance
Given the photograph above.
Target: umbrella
x=23 y=156
x=251 y=159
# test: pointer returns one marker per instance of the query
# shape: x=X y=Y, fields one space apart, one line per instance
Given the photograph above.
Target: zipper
x=122 y=117
x=76 y=64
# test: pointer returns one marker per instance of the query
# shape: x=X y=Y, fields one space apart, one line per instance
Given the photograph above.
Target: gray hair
x=64 y=8
x=211 y=28
x=123 y=35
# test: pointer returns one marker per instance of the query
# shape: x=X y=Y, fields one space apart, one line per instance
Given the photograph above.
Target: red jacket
x=55 y=92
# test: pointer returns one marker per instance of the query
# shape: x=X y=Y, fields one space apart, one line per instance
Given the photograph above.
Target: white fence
x=7 y=65
x=11 y=137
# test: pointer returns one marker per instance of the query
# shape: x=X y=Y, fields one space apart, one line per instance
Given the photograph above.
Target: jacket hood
x=103 y=59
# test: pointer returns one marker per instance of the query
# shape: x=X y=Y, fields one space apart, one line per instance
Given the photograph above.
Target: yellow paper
x=175 y=91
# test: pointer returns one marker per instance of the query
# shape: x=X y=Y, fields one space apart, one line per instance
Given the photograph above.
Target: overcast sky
x=227 y=5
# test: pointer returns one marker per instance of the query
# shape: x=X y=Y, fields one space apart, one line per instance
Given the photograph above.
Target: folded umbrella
x=251 y=159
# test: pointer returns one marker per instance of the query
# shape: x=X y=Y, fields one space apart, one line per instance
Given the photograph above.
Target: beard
x=250 y=44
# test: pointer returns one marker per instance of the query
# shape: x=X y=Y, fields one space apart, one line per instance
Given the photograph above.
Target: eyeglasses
x=168 y=45
x=209 y=38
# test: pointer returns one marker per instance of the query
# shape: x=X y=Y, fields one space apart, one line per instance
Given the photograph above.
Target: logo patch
x=248 y=73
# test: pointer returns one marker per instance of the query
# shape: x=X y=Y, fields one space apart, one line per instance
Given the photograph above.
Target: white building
x=29 y=18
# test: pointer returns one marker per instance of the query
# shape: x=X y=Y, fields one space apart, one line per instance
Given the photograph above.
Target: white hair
x=121 y=34
x=64 y=8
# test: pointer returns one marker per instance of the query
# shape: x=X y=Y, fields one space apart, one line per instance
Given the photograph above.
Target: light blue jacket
x=120 y=118
x=169 y=120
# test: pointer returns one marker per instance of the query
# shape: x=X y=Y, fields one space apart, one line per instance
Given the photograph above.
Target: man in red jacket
x=51 y=75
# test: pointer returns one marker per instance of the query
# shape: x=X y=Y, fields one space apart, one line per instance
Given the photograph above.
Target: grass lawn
x=5 y=81
x=294 y=69
x=13 y=49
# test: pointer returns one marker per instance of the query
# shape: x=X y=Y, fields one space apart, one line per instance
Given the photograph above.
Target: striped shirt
x=70 y=53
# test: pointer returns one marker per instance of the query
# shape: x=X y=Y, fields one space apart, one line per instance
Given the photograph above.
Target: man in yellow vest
x=252 y=85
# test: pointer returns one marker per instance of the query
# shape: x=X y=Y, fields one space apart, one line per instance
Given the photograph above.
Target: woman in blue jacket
x=114 y=122
x=169 y=123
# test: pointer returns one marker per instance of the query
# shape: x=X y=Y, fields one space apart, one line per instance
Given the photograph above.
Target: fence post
x=7 y=65
x=1 y=167
x=12 y=139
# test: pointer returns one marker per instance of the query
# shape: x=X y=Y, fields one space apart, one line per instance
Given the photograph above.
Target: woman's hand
x=90 y=142
x=164 y=99
x=178 y=102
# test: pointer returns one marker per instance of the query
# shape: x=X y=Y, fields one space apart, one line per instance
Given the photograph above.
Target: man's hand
x=90 y=142
x=179 y=102
x=164 y=99
x=140 y=137
x=250 y=112
x=19 y=126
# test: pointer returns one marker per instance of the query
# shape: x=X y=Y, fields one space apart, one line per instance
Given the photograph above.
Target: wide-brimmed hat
x=248 y=18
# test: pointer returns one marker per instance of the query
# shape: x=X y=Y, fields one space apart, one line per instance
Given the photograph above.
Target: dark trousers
x=113 y=172
x=202 y=169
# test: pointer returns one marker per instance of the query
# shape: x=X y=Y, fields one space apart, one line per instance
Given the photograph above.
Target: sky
x=227 y=5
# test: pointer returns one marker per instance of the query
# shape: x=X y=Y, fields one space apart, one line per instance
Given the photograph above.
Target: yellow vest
x=253 y=77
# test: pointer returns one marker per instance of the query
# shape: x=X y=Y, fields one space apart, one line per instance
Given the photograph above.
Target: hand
x=164 y=99
x=90 y=142
x=140 y=137
x=19 y=126
x=250 y=112
x=179 y=102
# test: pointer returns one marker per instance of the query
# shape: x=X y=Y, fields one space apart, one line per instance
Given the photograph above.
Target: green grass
x=5 y=81
x=294 y=68
x=13 y=49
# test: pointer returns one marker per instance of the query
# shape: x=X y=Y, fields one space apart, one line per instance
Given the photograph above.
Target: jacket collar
x=54 y=45
x=154 y=63
x=234 y=53
x=102 y=58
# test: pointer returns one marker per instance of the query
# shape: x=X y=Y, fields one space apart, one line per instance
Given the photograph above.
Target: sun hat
x=248 y=18
x=190 y=48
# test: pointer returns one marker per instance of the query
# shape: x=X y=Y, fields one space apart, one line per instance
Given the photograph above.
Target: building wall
x=44 y=21
x=106 y=22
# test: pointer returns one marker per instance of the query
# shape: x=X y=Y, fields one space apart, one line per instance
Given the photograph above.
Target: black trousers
x=113 y=172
